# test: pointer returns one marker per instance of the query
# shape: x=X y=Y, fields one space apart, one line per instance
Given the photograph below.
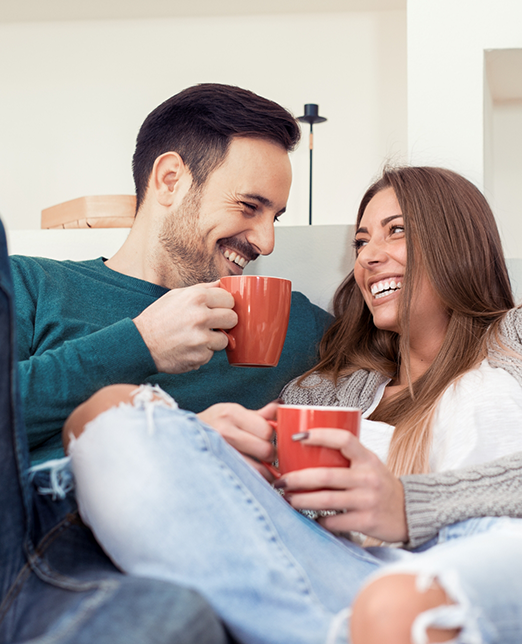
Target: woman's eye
x=397 y=229
x=358 y=244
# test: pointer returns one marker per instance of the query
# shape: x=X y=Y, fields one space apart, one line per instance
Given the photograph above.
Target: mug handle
x=231 y=340
x=269 y=466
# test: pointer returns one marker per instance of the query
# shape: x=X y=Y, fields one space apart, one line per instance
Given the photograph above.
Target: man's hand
x=371 y=497
x=179 y=329
x=246 y=430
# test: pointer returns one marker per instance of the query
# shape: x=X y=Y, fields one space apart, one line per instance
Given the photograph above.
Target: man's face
x=218 y=229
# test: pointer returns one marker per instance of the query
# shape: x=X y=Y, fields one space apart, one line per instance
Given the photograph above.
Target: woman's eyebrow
x=384 y=222
x=387 y=220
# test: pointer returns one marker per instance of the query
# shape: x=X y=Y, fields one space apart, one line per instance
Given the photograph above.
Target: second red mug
x=293 y=419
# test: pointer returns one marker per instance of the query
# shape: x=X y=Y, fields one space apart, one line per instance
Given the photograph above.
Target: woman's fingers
x=265 y=473
x=370 y=497
x=327 y=500
x=269 y=412
x=364 y=471
x=244 y=429
x=333 y=488
x=317 y=478
x=340 y=439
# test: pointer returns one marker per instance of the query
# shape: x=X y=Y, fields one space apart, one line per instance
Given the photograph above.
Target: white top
x=478 y=419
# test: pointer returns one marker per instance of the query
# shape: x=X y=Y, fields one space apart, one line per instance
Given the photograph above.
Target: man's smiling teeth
x=381 y=289
x=234 y=257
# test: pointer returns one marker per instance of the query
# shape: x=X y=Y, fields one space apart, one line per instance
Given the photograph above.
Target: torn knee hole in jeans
x=459 y=614
x=61 y=478
x=147 y=397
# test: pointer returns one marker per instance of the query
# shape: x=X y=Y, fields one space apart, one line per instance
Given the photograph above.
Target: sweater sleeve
x=53 y=381
x=434 y=501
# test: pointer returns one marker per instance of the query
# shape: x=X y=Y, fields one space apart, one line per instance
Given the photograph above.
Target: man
x=212 y=175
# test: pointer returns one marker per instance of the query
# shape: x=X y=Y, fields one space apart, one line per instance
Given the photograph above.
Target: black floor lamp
x=311 y=115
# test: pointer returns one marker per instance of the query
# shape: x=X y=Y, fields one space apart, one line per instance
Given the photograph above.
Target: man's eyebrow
x=384 y=222
x=262 y=200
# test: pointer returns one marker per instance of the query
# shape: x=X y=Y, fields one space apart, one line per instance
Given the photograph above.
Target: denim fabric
x=201 y=516
x=479 y=564
x=56 y=584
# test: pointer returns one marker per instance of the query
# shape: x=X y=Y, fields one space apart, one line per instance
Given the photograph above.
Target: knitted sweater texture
x=76 y=334
x=436 y=500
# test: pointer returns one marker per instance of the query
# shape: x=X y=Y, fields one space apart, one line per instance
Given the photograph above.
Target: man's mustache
x=241 y=247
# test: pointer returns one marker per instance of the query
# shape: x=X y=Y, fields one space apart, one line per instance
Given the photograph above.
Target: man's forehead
x=254 y=145
x=256 y=167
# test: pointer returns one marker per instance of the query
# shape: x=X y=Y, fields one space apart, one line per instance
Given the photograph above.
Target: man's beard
x=184 y=243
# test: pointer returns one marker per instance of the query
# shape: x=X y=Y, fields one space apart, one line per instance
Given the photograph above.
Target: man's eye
x=250 y=206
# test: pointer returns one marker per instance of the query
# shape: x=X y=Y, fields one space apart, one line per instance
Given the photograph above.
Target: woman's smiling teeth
x=234 y=257
x=386 y=287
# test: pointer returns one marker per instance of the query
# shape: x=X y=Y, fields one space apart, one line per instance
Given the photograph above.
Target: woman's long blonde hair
x=451 y=234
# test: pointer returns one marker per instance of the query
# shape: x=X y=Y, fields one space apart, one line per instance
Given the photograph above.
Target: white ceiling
x=53 y=10
x=504 y=71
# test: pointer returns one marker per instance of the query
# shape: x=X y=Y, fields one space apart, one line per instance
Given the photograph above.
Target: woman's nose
x=371 y=253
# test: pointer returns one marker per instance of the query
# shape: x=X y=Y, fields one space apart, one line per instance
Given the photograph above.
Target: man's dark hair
x=199 y=124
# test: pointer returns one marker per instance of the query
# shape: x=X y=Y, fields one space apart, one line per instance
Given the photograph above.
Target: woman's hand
x=246 y=430
x=370 y=496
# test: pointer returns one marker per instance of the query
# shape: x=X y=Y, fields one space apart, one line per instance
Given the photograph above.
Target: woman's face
x=380 y=267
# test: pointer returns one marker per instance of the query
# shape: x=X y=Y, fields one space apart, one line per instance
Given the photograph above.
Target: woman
x=407 y=330
x=423 y=324
x=395 y=353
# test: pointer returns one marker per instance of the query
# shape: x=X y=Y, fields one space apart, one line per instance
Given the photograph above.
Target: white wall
x=451 y=117
x=73 y=95
x=507 y=174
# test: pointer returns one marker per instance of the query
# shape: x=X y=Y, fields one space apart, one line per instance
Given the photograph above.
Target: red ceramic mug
x=262 y=305
x=293 y=419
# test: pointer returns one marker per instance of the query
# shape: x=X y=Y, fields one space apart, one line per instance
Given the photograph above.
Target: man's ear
x=168 y=177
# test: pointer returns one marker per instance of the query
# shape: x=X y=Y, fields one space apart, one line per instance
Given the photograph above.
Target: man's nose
x=262 y=235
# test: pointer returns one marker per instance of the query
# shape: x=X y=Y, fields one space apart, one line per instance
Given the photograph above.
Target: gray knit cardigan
x=437 y=500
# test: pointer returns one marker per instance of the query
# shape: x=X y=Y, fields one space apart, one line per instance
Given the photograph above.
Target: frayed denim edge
x=461 y=614
x=61 y=477
x=338 y=631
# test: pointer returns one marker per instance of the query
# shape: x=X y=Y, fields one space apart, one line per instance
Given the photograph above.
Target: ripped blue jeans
x=168 y=498
x=478 y=563
x=57 y=586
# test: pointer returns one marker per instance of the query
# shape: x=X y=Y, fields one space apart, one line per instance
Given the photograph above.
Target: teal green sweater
x=75 y=335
